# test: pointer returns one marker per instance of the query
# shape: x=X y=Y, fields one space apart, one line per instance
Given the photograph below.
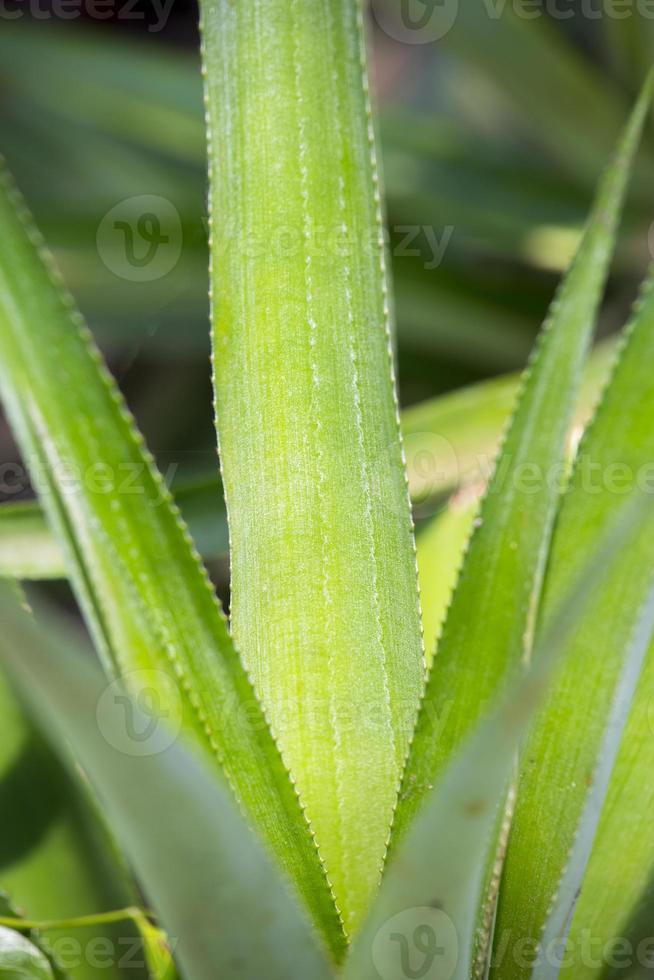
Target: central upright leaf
x=324 y=595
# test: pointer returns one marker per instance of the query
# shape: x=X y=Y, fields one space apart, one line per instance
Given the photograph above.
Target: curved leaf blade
x=207 y=874
x=9 y=913
x=613 y=909
x=433 y=883
x=559 y=766
x=20 y=959
x=56 y=858
x=559 y=919
x=488 y=628
x=142 y=588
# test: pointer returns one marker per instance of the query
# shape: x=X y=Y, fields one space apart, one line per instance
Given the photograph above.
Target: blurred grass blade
x=207 y=875
x=324 y=593
x=550 y=84
x=564 y=750
x=143 y=591
x=433 y=882
x=132 y=91
x=488 y=628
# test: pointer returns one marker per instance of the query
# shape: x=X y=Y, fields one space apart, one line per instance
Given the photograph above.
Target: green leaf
x=324 y=594
x=440 y=548
x=10 y=915
x=30 y=550
x=20 y=959
x=566 y=749
x=452 y=441
x=206 y=873
x=560 y=914
x=156 y=948
x=449 y=441
x=55 y=855
x=143 y=591
x=489 y=625
x=615 y=903
x=426 y=911
x=132 y=91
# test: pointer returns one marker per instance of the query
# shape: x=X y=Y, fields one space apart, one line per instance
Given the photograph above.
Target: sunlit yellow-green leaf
x=324 y=592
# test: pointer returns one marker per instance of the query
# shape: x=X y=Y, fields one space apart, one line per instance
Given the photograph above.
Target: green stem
x=80 y=922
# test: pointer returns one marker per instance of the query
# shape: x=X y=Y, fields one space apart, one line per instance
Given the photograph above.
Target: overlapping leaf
x=30 y=550
x=565 y=753
x=144 y=594
x=43 y=961
x=218 y=895
x=55 y=857
x=425 y=915
x=20 y=959
x=452 y=441
x=488 y=627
